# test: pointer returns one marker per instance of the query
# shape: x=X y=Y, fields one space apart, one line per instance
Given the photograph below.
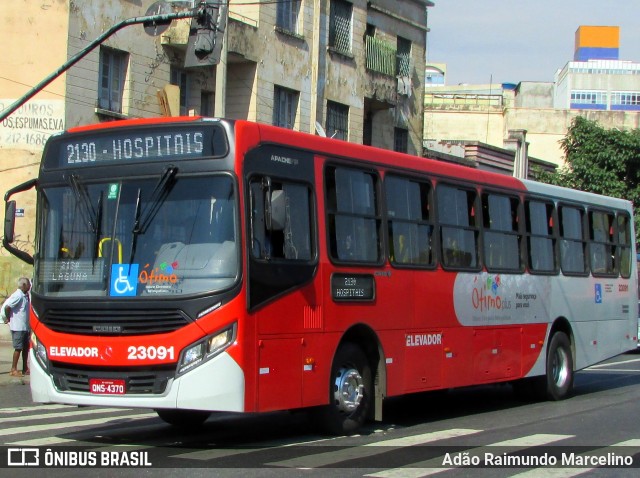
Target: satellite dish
x=320 y=130
x=158 y=27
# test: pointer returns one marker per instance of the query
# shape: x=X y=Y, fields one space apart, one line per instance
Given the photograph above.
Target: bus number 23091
x=151 y=353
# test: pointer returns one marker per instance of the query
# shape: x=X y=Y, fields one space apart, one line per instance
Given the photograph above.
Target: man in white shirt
x=16 y=309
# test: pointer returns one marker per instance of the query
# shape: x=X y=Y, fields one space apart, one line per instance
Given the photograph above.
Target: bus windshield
x=168 y=235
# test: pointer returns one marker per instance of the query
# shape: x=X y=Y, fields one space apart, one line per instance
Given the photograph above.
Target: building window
x=400 y=140
x=180 y=78
x=340 y=26
x=589 y=99
x=337 y=120
x=625 y=98
x=113 y=66
x=206 y=103
x=287 y=15
x=285 y=104
x=403 y=57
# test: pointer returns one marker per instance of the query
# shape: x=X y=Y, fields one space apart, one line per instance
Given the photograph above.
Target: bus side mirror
x=276 y=210
x=9 y=221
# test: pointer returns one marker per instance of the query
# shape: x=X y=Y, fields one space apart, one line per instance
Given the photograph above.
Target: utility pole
x=148 y=20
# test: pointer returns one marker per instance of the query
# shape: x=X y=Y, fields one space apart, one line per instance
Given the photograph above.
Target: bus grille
x=149 y=382
x=114 y=322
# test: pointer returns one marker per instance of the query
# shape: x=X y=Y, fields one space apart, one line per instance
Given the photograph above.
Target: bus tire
x=183 y=418
x=559 y=378
x=350 y=392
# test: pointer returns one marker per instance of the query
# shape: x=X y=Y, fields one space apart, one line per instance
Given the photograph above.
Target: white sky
x=510 y=41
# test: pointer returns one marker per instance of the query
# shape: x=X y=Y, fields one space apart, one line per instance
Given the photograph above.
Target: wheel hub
x=349 y=390
x=560 y=367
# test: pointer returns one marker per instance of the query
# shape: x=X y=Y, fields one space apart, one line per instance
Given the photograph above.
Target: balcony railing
x=381 y=56
x=463 y=99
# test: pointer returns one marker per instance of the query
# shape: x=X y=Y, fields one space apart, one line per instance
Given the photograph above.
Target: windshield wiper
x=159 y=194
x=141 y=221
x=92 y=218
x=98 y=229
x=82 y=197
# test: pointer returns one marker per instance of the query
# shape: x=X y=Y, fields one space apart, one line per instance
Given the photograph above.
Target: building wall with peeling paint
x=258 y=56
x=303 y=61
x=34 y=35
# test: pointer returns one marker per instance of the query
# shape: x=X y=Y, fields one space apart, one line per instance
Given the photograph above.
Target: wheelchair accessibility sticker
x=598 y=293
x=124 y=280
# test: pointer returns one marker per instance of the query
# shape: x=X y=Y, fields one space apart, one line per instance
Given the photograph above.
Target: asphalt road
x=422 y=435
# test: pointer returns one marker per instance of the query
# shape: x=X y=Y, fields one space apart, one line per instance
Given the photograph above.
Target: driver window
x=271 y=237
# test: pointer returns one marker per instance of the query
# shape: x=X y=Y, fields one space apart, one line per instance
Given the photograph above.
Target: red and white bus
x=193 y=265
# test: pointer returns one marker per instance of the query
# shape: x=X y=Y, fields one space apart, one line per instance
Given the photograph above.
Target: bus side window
x=501 y=232
x=409 y=222
x=601 y=247
x=459 y=228
x=353 y=215
x=541 y=242
x=573 y=244
x=623 y=241
x=260 y=249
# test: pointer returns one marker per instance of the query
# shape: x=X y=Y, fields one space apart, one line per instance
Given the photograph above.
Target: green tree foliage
x=601 y=161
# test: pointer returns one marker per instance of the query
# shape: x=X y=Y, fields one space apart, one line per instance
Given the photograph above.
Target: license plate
x=104 y=386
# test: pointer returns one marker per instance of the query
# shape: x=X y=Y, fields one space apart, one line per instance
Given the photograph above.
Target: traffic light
x=205 y=35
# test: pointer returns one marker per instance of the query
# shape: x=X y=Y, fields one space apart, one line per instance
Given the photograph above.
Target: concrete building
x=596 y=85
x=353 y=67
x=597 y=79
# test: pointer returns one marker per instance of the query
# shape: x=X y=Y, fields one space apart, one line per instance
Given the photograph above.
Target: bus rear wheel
x=183 y=418
x=559 y=381
x=350 y=392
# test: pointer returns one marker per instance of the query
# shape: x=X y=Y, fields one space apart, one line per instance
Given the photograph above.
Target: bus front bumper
x=216 y=385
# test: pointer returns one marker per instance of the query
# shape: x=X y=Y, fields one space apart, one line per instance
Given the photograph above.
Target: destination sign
x=72 y=270
x=127 y=145
x=352 y=287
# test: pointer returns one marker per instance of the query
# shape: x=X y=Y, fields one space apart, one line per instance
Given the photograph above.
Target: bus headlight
x=206 y=349
x=40 y=352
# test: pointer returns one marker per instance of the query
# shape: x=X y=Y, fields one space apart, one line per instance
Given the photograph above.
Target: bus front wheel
x=183 y=418
x=350 y=392
x=559 y=379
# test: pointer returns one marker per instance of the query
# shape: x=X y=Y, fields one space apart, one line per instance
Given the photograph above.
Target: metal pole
x=168 y=17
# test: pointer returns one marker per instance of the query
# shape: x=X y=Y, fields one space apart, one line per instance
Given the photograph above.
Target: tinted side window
x=410 y=221
x=572 y=243
x=458 y=227
x=624 y=245
x=541 y=241
x=501 y=232
x=601 y=248
x=353 y=215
